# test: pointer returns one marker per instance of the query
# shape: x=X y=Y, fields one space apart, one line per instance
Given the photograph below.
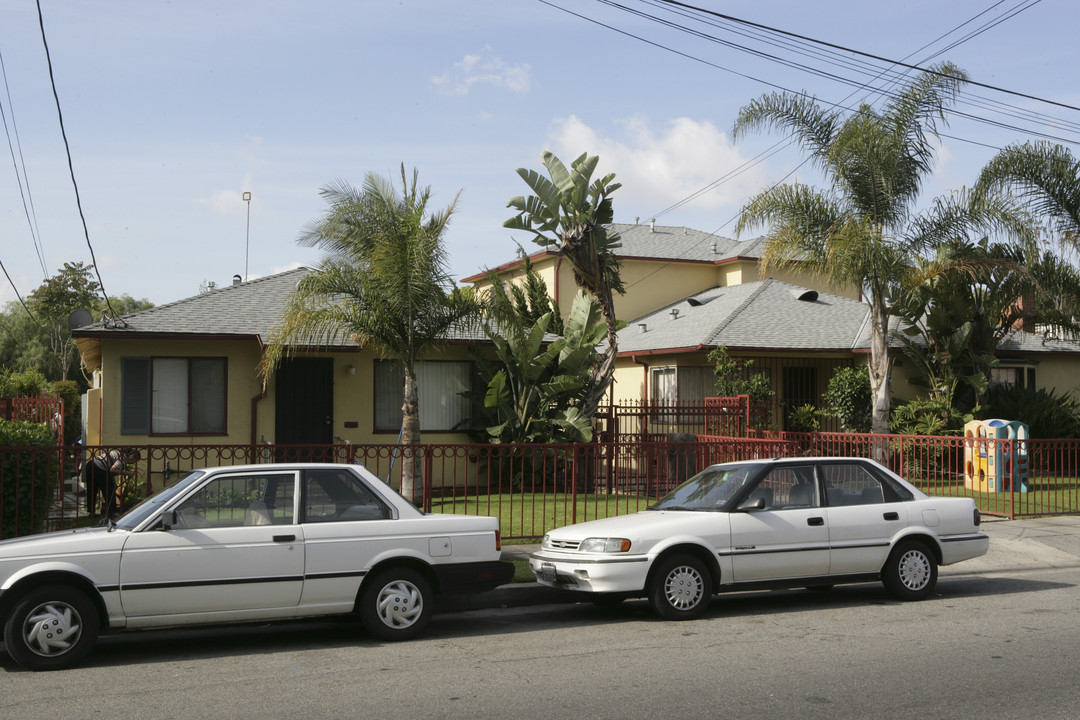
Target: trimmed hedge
x=29 y=468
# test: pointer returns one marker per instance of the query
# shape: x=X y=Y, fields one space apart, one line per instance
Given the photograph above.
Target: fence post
x=573 y=484
x=428 y=483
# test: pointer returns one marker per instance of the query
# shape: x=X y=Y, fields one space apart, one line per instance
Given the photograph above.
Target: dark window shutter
x=135 y=396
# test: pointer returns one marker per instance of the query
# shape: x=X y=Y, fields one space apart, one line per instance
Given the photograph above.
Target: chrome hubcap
x=399 y=604
x=914 y=570
x=52 y=629
x=684 y=588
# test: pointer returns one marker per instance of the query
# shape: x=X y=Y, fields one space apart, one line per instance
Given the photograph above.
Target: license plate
x=547 y=573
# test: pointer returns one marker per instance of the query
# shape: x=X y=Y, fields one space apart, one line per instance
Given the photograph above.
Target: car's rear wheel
x=396 y=604
x=681 y=588
x=51 y=627
x=910 y=573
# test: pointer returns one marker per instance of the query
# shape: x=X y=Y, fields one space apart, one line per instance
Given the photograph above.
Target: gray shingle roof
x=761 y=314
x=671 y=243
x=247 y=309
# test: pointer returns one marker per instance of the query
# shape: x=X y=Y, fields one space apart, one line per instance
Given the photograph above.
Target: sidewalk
x=1059 y=532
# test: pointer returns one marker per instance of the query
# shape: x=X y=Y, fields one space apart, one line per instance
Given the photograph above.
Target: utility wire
x=841 y=62
x=787 y=142
x=865 y=54
x=35 y=233
x=21 y=301
x=71 y=171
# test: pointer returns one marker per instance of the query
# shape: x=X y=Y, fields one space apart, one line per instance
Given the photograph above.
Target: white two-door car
x=240 y=544
x=801 y=522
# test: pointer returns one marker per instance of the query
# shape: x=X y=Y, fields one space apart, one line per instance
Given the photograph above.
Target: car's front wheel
x=396 y=604
x=681 y=588
x=51 y=627
x=910 y=573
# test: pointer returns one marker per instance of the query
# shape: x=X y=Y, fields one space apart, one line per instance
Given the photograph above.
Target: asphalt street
x=997 y=640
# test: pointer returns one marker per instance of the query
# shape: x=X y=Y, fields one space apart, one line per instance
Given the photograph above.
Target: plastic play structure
x=991 y=463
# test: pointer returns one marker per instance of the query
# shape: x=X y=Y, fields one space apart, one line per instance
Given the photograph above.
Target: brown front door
x=304 y=414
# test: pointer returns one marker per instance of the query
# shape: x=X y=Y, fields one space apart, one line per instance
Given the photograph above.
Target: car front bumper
x=590 y=573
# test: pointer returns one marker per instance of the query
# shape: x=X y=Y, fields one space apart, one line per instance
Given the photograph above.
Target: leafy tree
x=737 y=376
x=533 y=388
x=383 y=282
x=972 y=296
x=42 y=340
x=72 y=288
x=1045 y=176
x=568 y=211
x=850 y=399
x=1048 y=414
x=862 y=231
x=522 y=304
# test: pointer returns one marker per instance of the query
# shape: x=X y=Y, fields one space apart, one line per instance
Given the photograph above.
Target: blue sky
x=174 y=109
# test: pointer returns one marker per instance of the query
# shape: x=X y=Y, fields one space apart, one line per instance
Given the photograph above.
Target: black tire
x=51 y=628
x=396 y=604
x=681 y=588
x=911 y=571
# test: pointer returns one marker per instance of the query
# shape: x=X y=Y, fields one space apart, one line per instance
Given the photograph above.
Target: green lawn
x=523 y=515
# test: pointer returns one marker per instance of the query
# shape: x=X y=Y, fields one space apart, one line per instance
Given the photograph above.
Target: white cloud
x=486 y=70
x=661 y=166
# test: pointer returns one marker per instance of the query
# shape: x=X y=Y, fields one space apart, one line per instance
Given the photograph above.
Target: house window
x=440 y=388
x=671 y=385
x=1014 y=376
x=172 y=396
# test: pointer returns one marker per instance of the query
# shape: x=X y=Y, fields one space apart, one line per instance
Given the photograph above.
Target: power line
x=865 y=54
x=21 y=301
x=35 y=233
x=71 y=169
x=828 y=56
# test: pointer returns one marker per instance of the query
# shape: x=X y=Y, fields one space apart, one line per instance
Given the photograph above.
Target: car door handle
x=284 y=538
x=891 y=516
x=815 y=521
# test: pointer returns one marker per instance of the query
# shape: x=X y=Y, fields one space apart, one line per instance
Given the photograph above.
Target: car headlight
x=605 y=545
x=546 y=542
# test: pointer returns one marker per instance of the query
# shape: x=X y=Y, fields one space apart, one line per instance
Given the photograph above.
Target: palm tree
x=862 y=231
x=383 y=282
x=568 y=211
x=1046 y=176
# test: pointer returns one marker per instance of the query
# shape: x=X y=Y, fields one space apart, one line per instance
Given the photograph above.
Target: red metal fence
x=533 y=488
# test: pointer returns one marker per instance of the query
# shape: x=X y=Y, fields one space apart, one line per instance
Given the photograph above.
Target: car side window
x=340 y=496
x=851 y=484
x=788 y=486
x=238 y=500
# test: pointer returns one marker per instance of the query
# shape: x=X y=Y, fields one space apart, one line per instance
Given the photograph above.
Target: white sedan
x=240 y=544
x=813 y=522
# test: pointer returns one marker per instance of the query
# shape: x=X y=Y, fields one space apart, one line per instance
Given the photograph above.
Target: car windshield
x=709 y=490
x=151 y=504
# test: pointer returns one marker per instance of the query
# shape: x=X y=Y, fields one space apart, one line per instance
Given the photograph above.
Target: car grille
x=563 y=544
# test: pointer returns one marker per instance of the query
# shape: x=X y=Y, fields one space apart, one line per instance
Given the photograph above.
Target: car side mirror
x=168 y=519
x=757 y=503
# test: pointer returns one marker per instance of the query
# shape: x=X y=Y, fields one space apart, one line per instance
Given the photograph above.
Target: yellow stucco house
x=185 y=373
x=688 y=292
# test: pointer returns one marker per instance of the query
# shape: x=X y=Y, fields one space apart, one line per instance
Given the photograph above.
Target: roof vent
x=806 y=295
x=674 y=313
x=236 y=280
x=636 y=219
x=652 y=225
x=715 y=250
x=694 y=302
x=644 y=327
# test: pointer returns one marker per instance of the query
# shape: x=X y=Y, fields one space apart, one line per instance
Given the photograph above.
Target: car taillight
x=498 y=537
x=977 y=518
